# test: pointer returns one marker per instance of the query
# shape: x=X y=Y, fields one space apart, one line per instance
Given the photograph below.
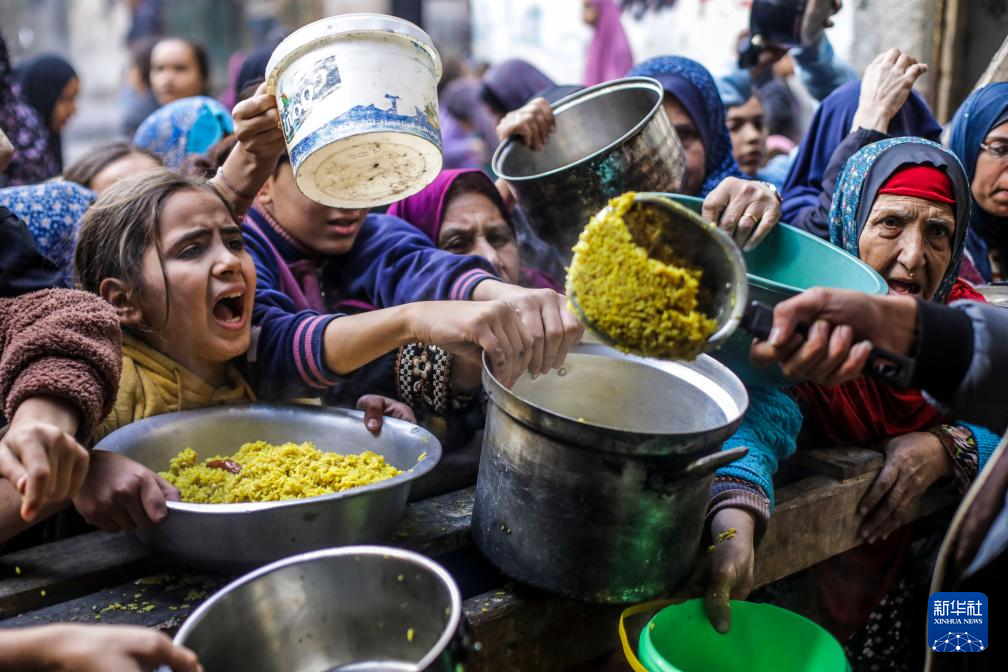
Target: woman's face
x=748 y=135
x=472 y=224
x=990 y=182
x=206 y=321
x=65 y=106
x=175 y=72
x=318 y=227
x=689 y=136
x=131 y=164
x=909 y=241
x=589 y=13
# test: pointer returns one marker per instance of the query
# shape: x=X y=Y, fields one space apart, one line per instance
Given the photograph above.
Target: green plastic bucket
x=787 y=262
x=763 y=638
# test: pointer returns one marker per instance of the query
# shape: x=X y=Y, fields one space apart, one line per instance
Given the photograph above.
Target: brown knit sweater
x=63 y=343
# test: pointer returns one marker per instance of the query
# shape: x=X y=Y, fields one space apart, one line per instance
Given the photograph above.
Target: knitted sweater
x=62 y=343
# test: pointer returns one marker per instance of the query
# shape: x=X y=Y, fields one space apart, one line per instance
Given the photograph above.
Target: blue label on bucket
x=957 y=622
x=368 y=118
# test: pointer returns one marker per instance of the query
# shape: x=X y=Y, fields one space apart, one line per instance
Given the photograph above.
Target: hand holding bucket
x=357 y=95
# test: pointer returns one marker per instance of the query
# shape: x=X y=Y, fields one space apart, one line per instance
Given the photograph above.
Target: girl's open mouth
x=901 y=287
x=229 y=310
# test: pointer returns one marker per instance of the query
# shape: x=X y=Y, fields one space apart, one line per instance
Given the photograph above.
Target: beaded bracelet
x=960 y=445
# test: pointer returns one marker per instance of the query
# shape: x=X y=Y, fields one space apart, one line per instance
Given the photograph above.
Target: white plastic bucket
x=357 y=96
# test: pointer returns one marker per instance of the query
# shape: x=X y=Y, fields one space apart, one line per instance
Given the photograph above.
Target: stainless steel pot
x=354 y=608
x=594 y=479
x=238 y=537
x=609 y=139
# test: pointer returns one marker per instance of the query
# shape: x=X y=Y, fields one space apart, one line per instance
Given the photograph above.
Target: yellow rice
x=270 y=473
x=641 y=304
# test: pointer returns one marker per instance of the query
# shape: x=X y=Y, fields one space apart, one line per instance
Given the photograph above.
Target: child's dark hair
x=83 y=170
x=199 y=53
x=120 y=226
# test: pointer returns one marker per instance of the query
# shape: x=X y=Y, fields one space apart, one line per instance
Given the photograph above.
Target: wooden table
x=111 y=578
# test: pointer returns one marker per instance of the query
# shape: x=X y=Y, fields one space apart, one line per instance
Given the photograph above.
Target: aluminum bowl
x=237 y=537
x=609 y=139
x=355 y=608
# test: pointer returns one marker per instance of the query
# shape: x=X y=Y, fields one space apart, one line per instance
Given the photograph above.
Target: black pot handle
x=886 y=366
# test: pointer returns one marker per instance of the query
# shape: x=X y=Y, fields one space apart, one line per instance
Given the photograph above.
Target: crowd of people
x=181 y=267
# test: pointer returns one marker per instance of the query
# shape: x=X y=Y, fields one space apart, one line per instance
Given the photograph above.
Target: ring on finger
x=748 y=215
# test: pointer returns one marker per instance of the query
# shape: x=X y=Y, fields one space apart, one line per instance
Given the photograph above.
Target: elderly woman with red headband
x=902 y=205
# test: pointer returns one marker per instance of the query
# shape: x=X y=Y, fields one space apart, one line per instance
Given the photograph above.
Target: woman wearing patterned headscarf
x=901 y=205
x=979 y=138
x=184 y=127
x=693 y=103
x=27 y=131
x=52 y=212
x=50 y=85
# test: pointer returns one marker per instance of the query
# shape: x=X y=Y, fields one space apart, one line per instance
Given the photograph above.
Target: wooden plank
x=160 y=601
x=838 y=463
x=519 y=628
x=69 y=568
x=437 y=525
x=816 y=519
x=80 y=565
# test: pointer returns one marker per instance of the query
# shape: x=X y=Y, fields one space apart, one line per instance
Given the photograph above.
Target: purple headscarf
x=425 y=211
x=27 y=131
x=510 y=84
x=609 y=55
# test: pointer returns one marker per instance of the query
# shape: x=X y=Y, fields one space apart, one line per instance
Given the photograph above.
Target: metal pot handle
x=713 y=462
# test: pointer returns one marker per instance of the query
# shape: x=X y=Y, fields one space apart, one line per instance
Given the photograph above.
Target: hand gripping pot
x=357 y=96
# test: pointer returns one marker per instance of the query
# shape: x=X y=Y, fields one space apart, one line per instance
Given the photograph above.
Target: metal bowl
x=238 y=537
x=606 y=400
x=356 y=608
x=609 y=139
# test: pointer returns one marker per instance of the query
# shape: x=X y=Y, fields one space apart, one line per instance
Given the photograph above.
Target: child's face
x=211 y=285
x=321 y=229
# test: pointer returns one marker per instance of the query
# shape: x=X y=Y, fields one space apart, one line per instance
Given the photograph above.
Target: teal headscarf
x=184 y=127
x=865 y=173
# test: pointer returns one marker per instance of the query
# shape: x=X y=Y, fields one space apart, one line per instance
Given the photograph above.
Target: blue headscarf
x=692 y=85
x=52 y=212
x=867 y=171
x=183 y=127
x=830 y=125
x=985 y=109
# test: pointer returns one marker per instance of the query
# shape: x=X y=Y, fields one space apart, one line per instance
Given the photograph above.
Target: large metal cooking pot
x=353 y=608
x=238 y=537
x=609 y=139
x=594 y=479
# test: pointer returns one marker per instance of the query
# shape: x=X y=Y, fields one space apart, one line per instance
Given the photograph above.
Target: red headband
x=925 y=182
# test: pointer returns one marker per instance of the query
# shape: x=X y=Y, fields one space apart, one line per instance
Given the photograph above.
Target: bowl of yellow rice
x=261 y=482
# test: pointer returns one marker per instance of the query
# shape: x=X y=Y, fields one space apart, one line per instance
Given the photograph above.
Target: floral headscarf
x=693 y=86
x=52 y=212
x=183 y=127
x=865 y=173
